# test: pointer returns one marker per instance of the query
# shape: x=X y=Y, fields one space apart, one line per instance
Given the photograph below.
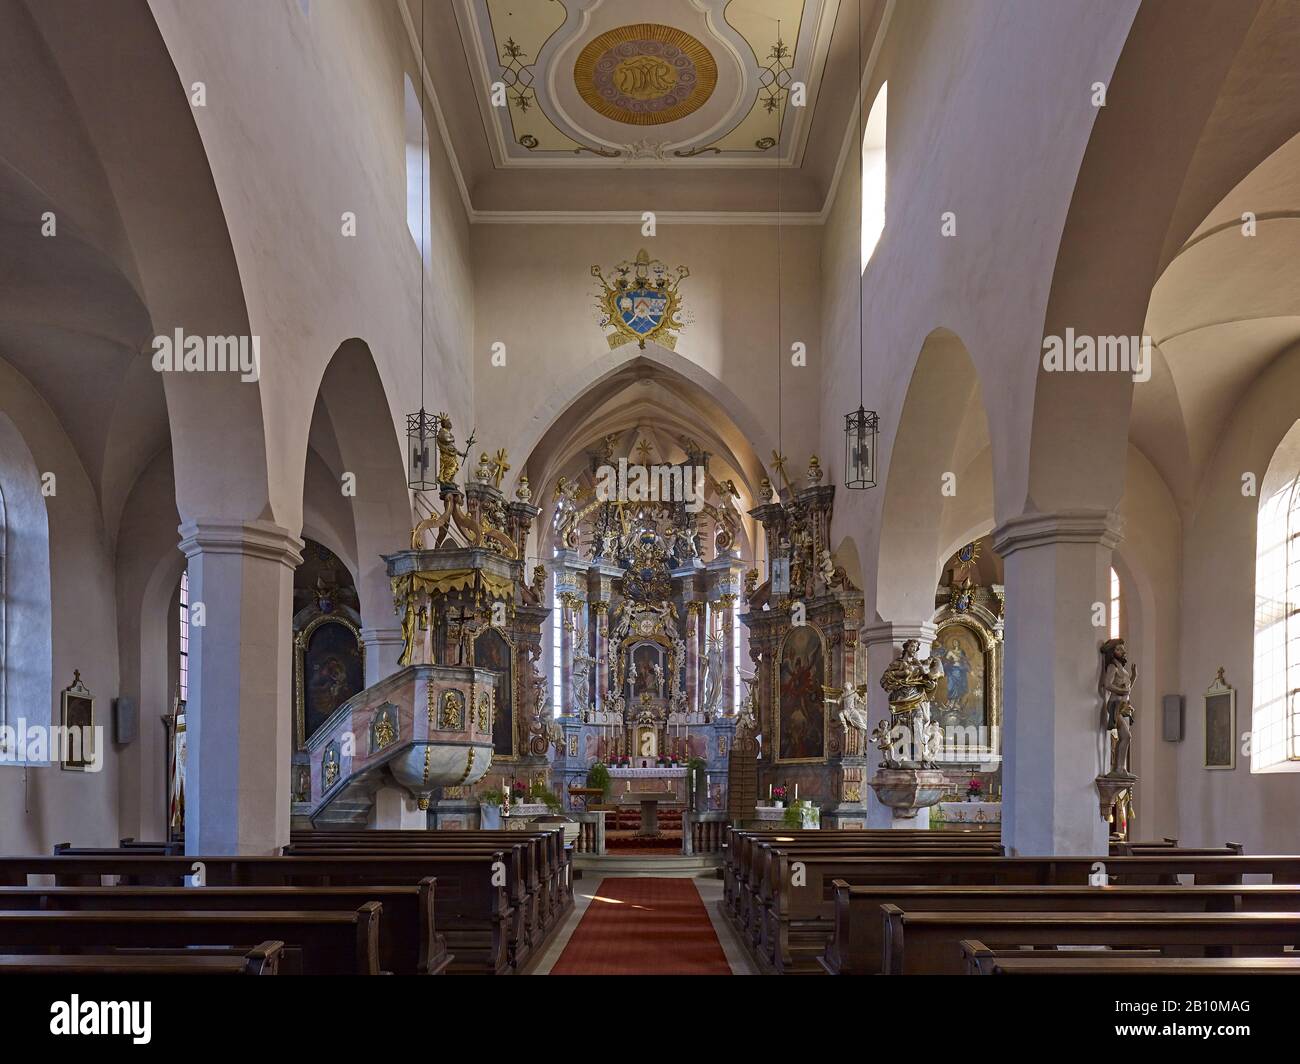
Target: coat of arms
x=641 y=302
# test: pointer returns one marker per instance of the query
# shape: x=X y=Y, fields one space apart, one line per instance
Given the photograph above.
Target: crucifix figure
x=463 y=634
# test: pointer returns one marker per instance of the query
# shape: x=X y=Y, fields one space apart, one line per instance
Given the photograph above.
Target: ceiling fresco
x=707 y=82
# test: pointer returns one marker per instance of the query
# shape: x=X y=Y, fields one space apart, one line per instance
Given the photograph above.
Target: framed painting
x=962 y=697
x=800 y=701
x=77 y=717
x=1220 y=724
x=329 y=669
x=492 y=650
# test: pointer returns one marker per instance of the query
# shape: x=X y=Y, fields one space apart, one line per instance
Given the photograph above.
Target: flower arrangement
x=518 y=790
x=802 y=814
x=974 y=788
x=778 y=794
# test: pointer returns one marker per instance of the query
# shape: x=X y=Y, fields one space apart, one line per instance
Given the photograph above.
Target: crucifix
x=499 y=466
x=463 y=635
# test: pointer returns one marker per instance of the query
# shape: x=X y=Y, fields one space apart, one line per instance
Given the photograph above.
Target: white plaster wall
x=45 y=805
x=534 y=292
x=1259 y=810
x=304 y=122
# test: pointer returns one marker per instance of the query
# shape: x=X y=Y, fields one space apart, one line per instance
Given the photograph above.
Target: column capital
x=1099 y=527
x=260 y=539
x=888 y=632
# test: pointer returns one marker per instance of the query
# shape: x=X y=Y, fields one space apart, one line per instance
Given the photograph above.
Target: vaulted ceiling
x=588 y=105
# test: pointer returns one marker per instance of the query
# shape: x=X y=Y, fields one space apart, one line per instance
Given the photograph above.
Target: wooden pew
x=317 y=943
x=980 y=960
x=856 y=944
x=810 y=908
x=475 y=912
x=528 y=923
x=408 y=941
x=260 y=960
x=928 y=943
x=553 y=859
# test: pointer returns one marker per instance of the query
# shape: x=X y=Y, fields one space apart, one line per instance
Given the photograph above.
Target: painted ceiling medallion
x=645 y=75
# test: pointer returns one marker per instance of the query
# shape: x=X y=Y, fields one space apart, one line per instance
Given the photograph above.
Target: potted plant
x=489 y=810
x=518 y=794
x=974 y=789
x=598 y=776
x=540 y=793
x=778 y=796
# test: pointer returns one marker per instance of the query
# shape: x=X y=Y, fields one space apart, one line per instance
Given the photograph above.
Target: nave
x=600 y=488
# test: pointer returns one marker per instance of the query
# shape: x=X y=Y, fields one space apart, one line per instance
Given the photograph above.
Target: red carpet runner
x=643 y=927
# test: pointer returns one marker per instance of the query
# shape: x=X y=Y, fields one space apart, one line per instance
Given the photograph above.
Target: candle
x=769 y=792
x=796 y=790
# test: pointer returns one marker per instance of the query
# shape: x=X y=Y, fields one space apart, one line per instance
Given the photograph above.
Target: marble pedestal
x=909 y=790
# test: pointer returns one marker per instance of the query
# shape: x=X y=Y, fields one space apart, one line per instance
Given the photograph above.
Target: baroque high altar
x=647 y=651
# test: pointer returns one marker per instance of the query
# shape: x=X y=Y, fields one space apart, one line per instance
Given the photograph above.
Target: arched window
x=873 y=175
x=1275 y=723
x=1115 y=604
x=183 y=640
x=26 y=610
x=417 y=172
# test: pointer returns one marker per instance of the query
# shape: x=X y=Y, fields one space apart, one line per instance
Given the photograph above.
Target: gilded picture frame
x=301 y=644
x=781 y=693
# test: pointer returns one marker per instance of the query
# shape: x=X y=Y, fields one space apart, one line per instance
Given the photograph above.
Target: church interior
x=886 y=516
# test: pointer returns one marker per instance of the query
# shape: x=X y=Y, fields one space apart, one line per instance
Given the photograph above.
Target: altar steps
x=703 y=866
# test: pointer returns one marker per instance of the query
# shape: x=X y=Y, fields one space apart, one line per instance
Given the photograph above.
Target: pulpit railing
x=591 y=832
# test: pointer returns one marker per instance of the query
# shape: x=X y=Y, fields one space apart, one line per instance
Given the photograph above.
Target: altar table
x=649 y=810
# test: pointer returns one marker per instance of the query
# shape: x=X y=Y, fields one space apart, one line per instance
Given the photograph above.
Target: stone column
x=727 y=604
x=883 y=643
x=239 y=716
x=383 y=648
x=693 y=654
x=1057 y=568
x=600 y=670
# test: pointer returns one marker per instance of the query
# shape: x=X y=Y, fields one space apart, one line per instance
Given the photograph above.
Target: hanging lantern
x=860 y=431
x=421 y=436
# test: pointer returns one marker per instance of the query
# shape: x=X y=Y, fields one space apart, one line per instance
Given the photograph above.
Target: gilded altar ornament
x=329 y=768
x=453 y=706
x=522 y=491
x=485 y=711
x=1116 y=687
x=641 y=303
x=814 y=475
x=765 y=490
x=382 y=731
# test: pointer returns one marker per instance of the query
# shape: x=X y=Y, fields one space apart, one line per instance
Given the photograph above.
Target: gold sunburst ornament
x=645 y=75
x=641 y=302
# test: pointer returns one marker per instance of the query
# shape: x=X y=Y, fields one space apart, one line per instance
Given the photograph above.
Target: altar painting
x=332 y=671
x=961 y=699
x=800 y=704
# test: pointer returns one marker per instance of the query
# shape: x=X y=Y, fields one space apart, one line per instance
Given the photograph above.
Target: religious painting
x=493 y=651
x=1220 y=724
x=801 y=706
x=77 y=716
x=646 y=673
x=960 y=700
x=329 y=671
